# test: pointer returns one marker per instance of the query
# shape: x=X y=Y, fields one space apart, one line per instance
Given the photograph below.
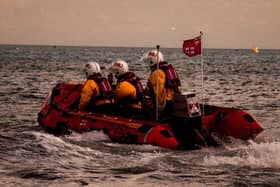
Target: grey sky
x=141 y=23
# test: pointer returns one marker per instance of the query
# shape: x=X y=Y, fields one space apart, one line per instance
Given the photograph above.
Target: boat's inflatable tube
x=185 y=127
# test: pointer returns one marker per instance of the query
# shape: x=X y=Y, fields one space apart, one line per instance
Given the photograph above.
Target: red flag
x=192 y=47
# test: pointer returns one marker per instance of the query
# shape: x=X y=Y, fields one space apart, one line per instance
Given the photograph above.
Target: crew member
x=128 y=90
x=163 y=83
x=97 y=93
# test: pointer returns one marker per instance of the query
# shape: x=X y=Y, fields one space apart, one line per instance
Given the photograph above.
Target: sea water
x=229 y=77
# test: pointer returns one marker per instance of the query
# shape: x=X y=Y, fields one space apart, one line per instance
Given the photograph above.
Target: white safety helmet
x=153 y=57
x=91 y=68
x=119 y=67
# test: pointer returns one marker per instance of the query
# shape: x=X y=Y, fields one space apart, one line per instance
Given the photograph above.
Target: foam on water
x=254 y=155
x=89 y=136
x=57 y=144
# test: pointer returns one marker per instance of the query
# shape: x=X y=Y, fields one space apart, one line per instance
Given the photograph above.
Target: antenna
x=157 y=82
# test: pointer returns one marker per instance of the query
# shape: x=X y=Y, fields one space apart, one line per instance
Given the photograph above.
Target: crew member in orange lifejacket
x=97 y=93
x=162 y=84
x=128 y=90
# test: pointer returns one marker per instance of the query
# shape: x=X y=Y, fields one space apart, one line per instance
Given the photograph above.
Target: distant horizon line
x=95 y=46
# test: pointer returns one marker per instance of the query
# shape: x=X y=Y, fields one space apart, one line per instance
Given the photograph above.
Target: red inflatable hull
x=58 y=115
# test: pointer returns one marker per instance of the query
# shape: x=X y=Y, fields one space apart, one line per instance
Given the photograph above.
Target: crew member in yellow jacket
x=163 y=82
x=97 y=93
x=128 y=91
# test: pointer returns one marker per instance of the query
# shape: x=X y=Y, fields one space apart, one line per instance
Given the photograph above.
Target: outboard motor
x=187 y=126
x=186 y=105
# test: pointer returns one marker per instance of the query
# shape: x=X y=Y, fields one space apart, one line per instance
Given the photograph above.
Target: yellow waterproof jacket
x=126 y=95
x=161 y=92
x=89 y=92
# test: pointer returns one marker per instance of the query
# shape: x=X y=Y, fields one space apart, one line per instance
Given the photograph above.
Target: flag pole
x=157 y=82
x=202 y=73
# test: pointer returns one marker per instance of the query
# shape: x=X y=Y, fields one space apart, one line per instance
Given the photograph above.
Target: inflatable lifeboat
x=190 y=126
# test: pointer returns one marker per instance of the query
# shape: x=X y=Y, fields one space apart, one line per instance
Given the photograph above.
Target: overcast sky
x=141 y=23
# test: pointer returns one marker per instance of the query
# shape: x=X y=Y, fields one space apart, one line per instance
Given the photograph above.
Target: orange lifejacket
x=172 y=78
x=105 y=88
x=129 y=90
x=135 y=81
x=96 y=91
x=168 y=84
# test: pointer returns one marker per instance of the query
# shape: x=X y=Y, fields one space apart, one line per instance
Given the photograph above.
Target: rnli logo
x=194 y=108
x=152 y=54
x=83 y=122
x=190 y=50
x=116 y=64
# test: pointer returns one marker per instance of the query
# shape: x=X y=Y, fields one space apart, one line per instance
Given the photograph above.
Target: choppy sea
x=231 y=77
